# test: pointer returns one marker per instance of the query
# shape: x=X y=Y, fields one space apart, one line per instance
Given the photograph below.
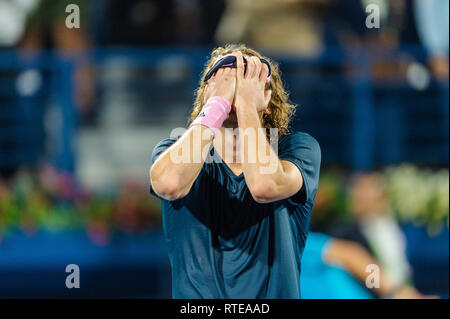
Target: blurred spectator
x=188 y=28
x=160 y=22
x=405 y=24
x=13 y=15
x=284 y=26
x=139 y=22
x=432 y=18
x=39 y=28
x=336 y=269
x=323 y=279
x=211 y=13
x=346 y=23
x=396 y=29
x=331 y=213
x=45 y=28
x=370 y=206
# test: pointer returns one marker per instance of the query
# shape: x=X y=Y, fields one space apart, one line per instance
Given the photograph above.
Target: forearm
x=263 y=170
x=174 y=172
x=355 y=259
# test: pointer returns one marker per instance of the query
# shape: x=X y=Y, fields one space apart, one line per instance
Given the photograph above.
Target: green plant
x=419 y=195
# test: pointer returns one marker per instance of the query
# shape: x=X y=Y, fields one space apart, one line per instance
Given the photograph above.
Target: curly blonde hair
x=280 y=110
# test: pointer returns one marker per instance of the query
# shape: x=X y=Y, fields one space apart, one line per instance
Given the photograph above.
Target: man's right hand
x=222 y=83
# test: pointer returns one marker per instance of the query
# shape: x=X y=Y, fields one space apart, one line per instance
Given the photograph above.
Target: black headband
x=229 y=61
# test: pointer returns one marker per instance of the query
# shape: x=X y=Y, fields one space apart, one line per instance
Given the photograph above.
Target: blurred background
x=81 y=110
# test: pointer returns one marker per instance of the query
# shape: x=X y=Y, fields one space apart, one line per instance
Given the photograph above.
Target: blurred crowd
x=308 y=29
x=300 y=27
x=51 y=201
x=361 y=217
x=358 y=218
x=294 y=27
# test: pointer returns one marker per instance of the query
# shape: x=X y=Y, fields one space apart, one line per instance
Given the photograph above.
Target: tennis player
x=236 y=207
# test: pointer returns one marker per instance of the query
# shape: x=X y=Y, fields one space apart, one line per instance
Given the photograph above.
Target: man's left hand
x=250 y=89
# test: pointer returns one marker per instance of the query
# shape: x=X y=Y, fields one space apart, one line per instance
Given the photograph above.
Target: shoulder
x=166 y=142
x=162 y=146
x=300 y=140
x=299 y=137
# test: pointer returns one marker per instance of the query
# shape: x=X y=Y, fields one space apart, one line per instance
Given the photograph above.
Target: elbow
x=167 y=191
x=263 y=192
x=167 y=188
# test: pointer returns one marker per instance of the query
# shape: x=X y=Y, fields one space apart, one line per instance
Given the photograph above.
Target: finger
x=257 y=63
x=239 y=64
x=264 y=73
x=205 y=93
x=250 y=68
x=267 y=97
x=233 y=73
x=211 y=79
x=256 y=67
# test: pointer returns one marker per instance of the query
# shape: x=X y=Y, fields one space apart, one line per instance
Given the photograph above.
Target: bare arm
x=354 y=258
x=175 y=171
x=266 y=184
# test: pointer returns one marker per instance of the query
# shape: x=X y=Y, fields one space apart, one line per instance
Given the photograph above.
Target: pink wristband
x=213 y=113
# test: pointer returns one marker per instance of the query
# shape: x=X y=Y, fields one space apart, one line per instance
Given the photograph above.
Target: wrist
x=248 y=118
x=244 y=106
x=245 y=110
x=205 y=132
x=388 y=291
x=213 y=113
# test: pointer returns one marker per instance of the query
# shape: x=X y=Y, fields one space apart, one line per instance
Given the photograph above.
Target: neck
x=226 y=145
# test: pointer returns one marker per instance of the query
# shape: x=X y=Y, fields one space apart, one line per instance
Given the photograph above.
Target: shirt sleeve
x=158 y=150
x=303 y=151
